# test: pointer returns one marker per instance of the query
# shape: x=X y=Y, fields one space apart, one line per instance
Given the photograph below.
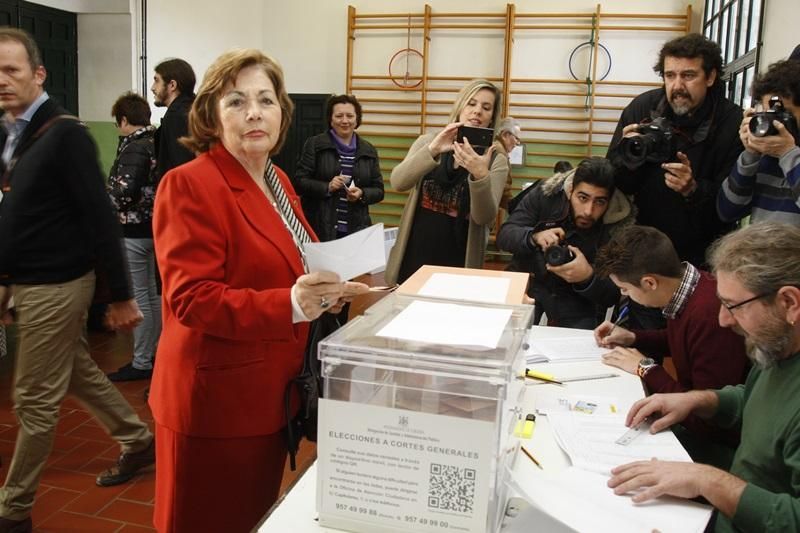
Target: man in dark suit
x=56 y=229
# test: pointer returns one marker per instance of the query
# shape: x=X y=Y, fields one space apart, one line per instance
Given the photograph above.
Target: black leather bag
x=309 y=385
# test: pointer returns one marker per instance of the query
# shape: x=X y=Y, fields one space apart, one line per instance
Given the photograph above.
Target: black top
x=56 y=220
x=175 y=124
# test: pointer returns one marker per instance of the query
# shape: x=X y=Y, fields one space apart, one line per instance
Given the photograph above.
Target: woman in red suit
x=236 y=304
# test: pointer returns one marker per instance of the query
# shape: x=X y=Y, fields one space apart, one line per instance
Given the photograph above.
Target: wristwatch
x=645 y=364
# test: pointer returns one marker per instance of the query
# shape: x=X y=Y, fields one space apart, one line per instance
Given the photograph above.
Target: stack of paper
x=582 y=501
x=578 y=345
x=590 y=441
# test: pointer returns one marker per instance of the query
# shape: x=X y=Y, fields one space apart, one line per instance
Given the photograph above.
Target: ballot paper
x=581 y=501
x=589 y=441
x=444 y=323
x=578 y=345
x=470 y=288
x=351 y=256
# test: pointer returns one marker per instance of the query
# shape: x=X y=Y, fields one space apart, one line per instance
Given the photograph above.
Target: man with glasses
x=705 y=355
x=758 y=282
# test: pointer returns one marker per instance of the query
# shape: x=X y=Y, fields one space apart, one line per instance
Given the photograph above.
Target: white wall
x=105 y=52
x=780 y=30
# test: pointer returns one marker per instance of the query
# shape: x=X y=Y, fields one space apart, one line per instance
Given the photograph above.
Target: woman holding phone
x=455 y=190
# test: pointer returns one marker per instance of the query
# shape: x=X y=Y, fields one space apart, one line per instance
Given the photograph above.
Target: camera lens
x=558 y=255
x=761 y=124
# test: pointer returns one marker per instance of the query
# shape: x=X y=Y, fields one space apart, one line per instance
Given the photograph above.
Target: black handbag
x=309 y=386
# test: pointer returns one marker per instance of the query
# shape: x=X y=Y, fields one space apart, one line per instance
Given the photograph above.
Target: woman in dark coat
x=338 y=175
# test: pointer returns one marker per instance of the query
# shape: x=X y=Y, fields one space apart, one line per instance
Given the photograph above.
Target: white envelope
x=350 y=256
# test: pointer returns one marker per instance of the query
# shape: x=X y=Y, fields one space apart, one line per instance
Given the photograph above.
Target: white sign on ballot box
x=386 y=469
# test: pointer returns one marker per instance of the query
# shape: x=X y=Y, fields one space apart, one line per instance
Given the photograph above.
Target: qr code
x=451 y=488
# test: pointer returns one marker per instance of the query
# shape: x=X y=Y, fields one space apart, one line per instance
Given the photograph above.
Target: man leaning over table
x=758 y=282
x=705 y=354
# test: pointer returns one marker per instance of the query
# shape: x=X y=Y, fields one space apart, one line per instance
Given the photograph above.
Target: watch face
x=647 y=361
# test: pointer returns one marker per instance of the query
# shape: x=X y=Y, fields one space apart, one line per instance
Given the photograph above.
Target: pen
x=531 y=457
x=541 y=376
x=620 y=317
x=587 y=378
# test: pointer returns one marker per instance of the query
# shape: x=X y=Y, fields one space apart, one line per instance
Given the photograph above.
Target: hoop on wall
x=591 y=51
x=402 y=60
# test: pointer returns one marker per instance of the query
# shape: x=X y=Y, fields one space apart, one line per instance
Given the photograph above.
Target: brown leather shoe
x=16 y=526
x=127 y=466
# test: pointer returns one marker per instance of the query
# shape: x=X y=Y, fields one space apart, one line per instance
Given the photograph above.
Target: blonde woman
x=455 y=190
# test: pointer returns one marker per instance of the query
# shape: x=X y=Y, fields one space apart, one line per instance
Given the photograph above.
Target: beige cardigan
x=484 y=196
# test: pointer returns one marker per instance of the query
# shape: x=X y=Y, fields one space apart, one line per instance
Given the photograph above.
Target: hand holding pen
x=611 y=334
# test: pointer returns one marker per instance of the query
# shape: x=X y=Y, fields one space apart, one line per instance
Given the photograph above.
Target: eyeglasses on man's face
x=731 y=307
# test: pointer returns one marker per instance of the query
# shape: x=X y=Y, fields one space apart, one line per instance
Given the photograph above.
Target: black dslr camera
x=761 y=124
x=558 y=254
x=655 y=144
x=555 y=255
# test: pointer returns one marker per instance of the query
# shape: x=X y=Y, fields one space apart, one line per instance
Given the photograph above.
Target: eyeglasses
x=731 y=307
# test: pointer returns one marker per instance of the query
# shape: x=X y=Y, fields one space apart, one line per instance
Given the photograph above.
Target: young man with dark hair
x=173 y=88
x=643 y=263
x=578 y=209
x=765 y=182
x=677 y=193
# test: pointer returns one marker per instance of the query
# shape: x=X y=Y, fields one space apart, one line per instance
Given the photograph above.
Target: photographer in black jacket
x=577 y=210
x=678 y=195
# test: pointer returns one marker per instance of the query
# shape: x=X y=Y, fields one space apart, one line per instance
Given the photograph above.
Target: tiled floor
x=68 y=499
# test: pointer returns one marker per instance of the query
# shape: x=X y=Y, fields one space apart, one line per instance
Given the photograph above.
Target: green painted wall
x=106 y=136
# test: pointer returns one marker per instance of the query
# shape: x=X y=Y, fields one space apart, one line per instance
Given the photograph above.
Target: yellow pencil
x=531 y=457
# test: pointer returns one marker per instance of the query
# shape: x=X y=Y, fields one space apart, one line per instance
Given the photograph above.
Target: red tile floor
x=68 y=499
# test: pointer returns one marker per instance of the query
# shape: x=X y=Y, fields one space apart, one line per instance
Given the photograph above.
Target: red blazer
x=228 y=346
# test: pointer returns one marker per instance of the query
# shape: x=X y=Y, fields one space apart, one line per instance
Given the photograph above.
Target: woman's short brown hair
x=204 y=127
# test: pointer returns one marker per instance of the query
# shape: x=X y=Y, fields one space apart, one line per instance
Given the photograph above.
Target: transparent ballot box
x=420 y=403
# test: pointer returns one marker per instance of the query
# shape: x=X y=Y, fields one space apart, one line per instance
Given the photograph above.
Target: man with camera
x=555 y=233
x=674 y=146
x=765 y=182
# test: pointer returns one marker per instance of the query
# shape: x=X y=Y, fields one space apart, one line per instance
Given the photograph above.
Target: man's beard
x=159 y=99
x=770 y=343
x=684 y=108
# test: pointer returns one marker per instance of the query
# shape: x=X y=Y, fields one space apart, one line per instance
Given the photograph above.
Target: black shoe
x=130 y=373
x=16 y=526
x=127 y=466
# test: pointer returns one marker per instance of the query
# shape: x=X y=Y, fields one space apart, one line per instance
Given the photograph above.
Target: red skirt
x=210 y=484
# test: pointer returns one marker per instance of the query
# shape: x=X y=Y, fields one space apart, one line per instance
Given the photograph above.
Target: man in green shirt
x=758 y=282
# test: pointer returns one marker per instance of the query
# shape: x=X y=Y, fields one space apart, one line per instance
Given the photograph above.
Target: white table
x=297 y=511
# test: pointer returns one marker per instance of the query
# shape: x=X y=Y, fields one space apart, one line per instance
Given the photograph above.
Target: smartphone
x=481 y=137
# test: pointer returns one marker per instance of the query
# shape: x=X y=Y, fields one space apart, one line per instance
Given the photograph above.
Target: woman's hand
x=443 y=142
x=476 y=164
x=317 y=292
x=322 y=291
x=337 y=182
x=351 y=290
x=354 y=193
